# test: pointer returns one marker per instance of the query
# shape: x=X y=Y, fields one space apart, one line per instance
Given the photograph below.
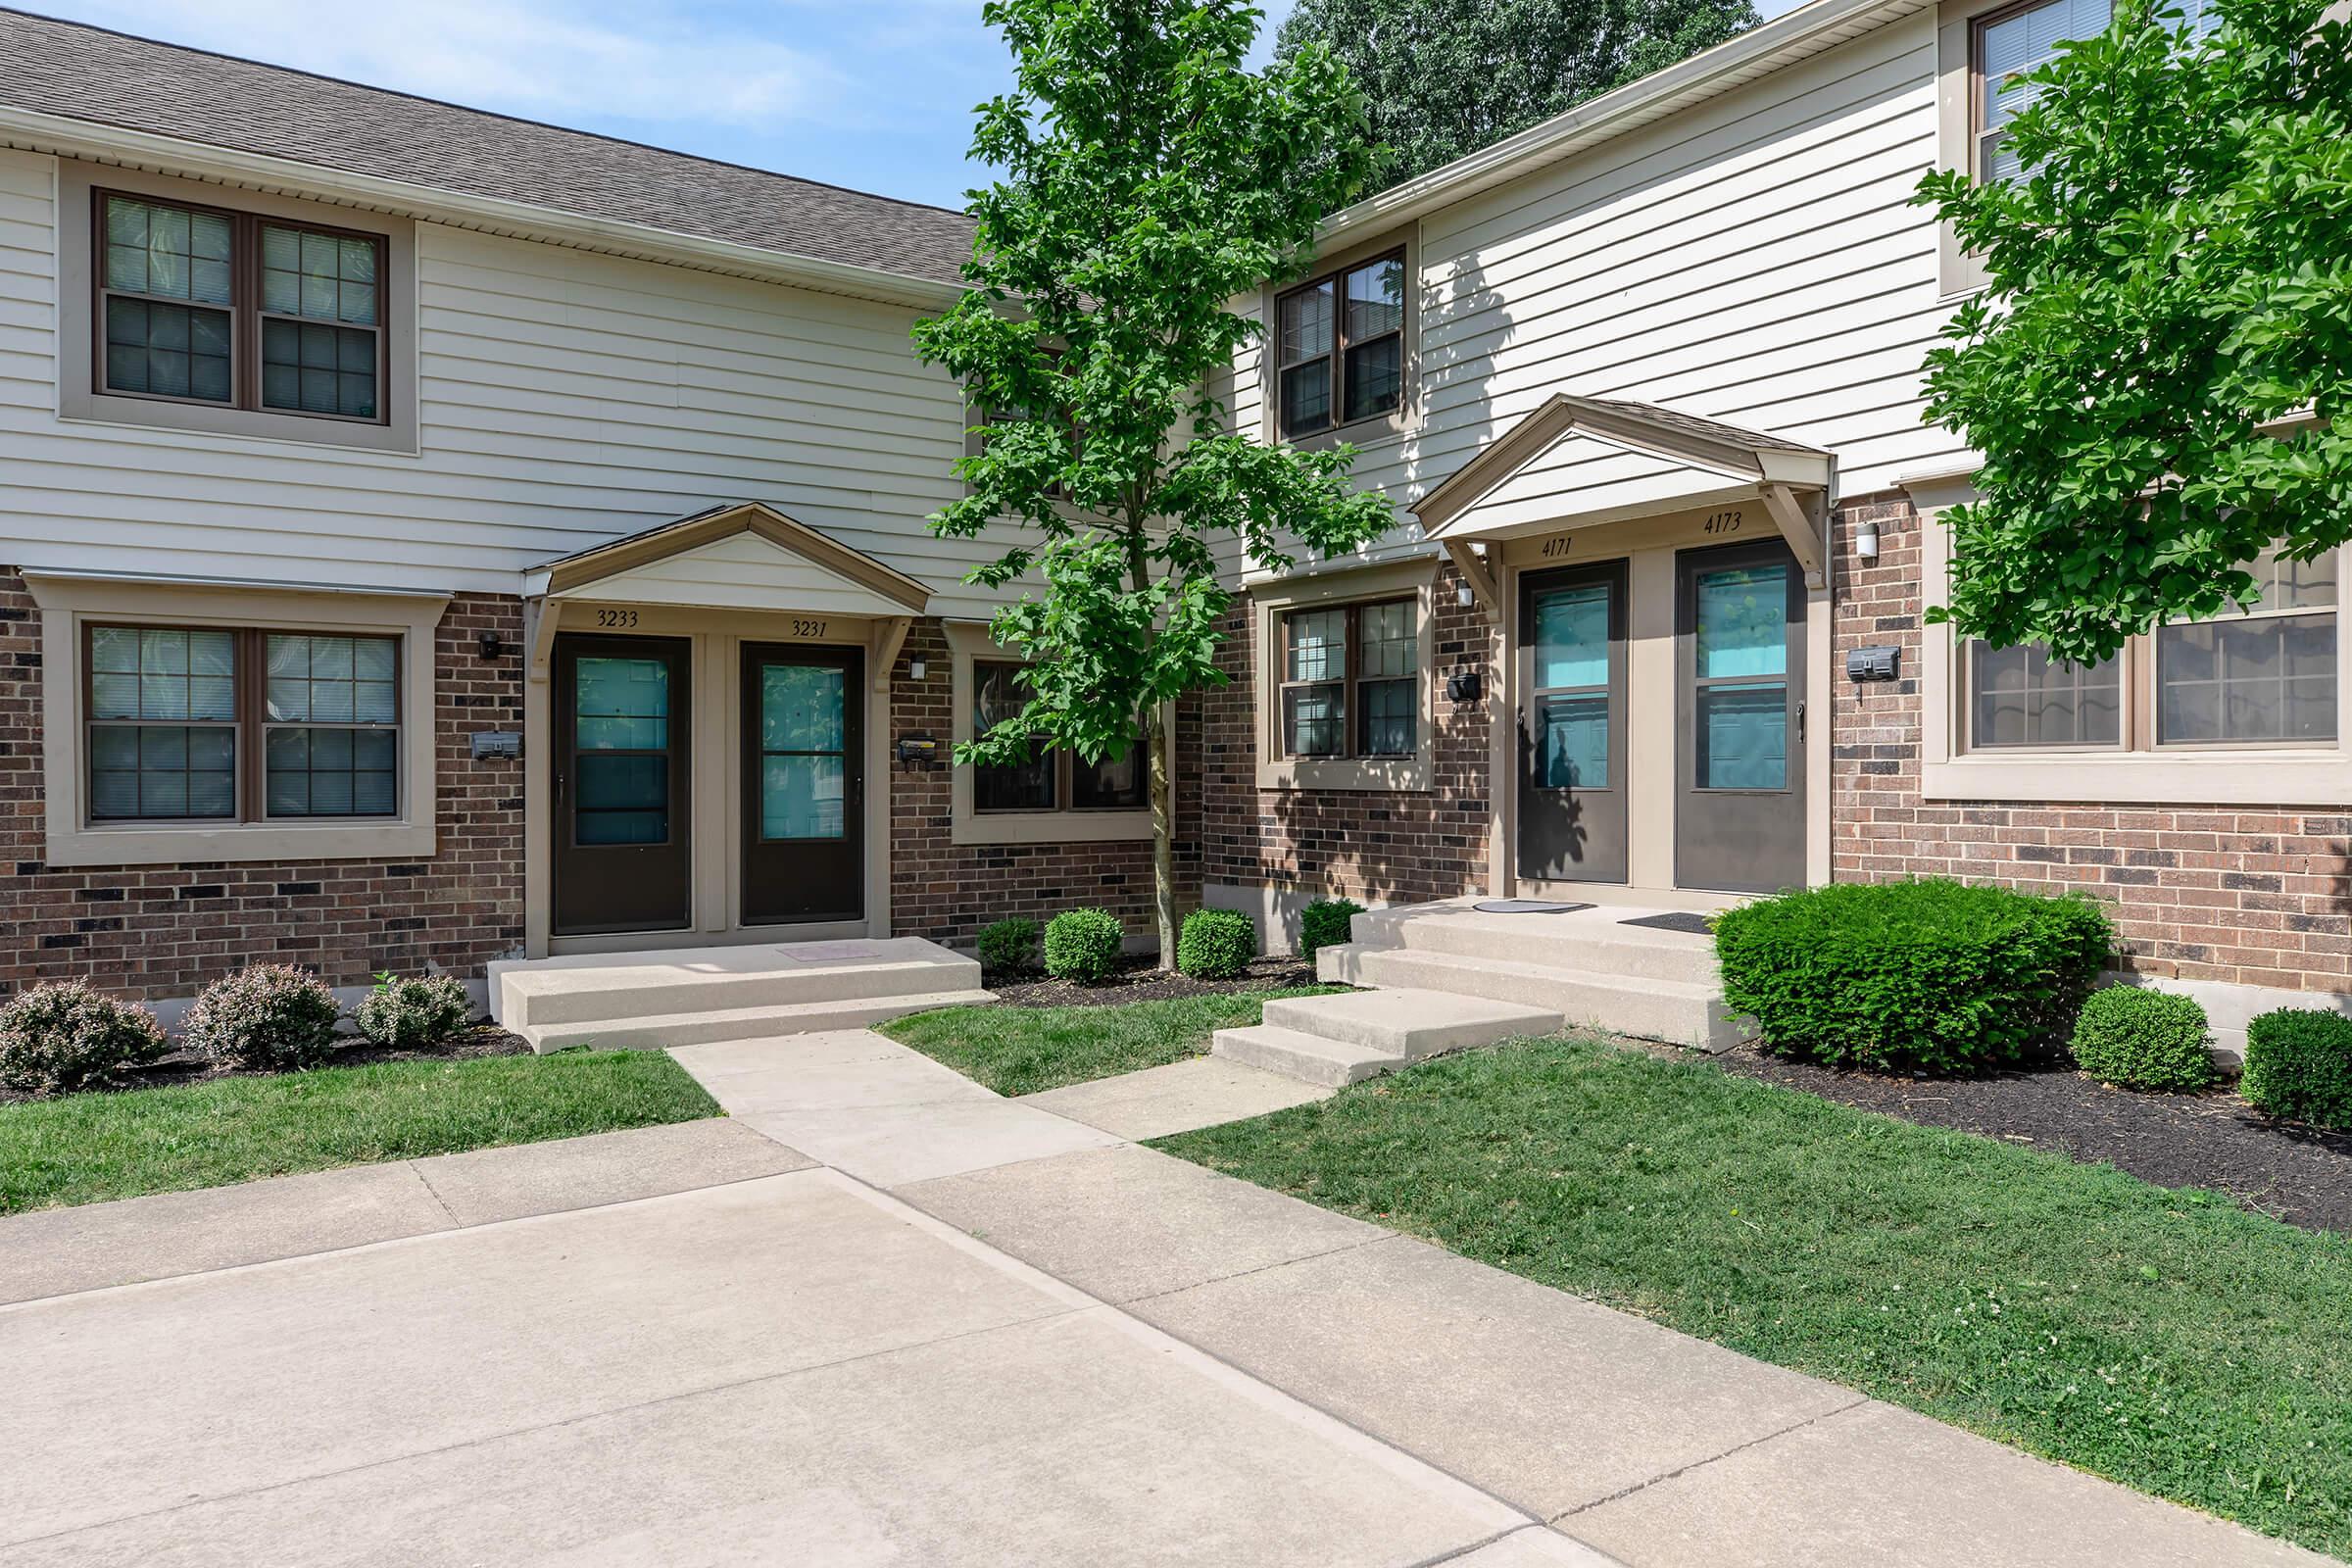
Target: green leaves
x=1147 y=181
x=2171 y=279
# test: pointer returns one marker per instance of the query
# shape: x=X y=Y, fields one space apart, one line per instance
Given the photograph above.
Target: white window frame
x=69 y=603
x=1270 y=603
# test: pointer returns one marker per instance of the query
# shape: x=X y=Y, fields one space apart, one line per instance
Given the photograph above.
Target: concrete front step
x=1595 y=941
x=657 y=1031
x=1309 y=1058
x=1677 y=1011
x=1346 y=1039
x=606 y=988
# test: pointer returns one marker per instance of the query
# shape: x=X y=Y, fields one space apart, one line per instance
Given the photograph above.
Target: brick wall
x=946 y=892
x=164 y=931
x=1371 y=845
x=2253 y=896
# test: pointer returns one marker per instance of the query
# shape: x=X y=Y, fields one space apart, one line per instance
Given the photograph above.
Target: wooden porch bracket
x=890 y=635
x=1464 y=555
x=1797 y=526
x=539 y=619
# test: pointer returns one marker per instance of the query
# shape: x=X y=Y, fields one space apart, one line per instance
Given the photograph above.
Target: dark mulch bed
x=2214 y=1141
x=1138 y=981
x=181 y=1067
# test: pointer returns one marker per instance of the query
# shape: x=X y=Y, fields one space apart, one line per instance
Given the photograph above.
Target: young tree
x=1148 y=180
x=2171 y=280
x=1444 y=77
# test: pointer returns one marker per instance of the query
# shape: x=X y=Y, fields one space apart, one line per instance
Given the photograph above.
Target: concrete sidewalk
x=885 y=1316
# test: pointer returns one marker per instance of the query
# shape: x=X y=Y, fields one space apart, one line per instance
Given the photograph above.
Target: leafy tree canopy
x=1147 y=181
x=1445 y=77
x=2157 y=374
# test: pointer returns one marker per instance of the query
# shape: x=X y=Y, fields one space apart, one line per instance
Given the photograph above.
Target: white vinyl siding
x=565 y=398
x=1753 y=260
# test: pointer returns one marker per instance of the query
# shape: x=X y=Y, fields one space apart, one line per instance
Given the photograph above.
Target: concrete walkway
x=885 y=1316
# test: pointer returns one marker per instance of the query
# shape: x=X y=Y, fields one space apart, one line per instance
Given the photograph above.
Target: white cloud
x=539 y=58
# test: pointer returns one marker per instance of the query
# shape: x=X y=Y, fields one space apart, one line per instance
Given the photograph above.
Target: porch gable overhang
x=741 y=556
x=1579 y=461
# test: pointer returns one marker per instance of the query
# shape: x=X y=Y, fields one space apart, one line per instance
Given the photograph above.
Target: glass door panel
x=1571 y=799
x=621 y=853
x=803 y=785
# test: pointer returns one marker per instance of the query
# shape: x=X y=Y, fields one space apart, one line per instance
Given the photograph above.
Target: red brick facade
x=946 y=891
x=1379 y=846
x=2239 y=893
x=164 y=931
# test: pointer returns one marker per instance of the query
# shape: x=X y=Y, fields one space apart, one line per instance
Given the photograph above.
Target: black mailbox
x=1464 y=686
x=1873 y=663
x=918 y=750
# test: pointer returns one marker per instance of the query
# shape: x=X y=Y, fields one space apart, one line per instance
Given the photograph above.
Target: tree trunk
x=1162 y=773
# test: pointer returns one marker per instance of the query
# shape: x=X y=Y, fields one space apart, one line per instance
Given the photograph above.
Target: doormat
x=1527 y=907
x=1680 y=920
x=830 y=952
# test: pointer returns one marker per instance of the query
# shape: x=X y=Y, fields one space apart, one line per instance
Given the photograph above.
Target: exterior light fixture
x=1866 y=540
x=916 y=668
x=1462 y=594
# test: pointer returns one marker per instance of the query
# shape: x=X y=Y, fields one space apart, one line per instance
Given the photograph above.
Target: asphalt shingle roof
x=63 y=68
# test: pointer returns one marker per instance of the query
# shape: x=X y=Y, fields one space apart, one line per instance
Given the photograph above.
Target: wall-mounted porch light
x=1464 y=595
x=1866 y=540
x=916 y=668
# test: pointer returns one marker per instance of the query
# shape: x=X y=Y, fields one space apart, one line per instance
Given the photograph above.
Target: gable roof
x=814 y=562
x=1695 y=457
x=111 y=78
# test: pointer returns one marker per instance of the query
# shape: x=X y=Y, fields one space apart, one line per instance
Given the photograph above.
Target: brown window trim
x=1066 y=781
x=244 y=308
x=1336 y=359
x=251 y=727
x=1351 y=681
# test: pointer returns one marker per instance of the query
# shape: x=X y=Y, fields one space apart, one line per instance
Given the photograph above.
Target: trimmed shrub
x=2138 y=1039
x=1932 y=974
x=1216 y=944
x=1009 y=947
x=407 y=1014
x=1324 y=924
x=1084 y=945
x=63 y=1036
x=268 y=1015
x=2299 y=1066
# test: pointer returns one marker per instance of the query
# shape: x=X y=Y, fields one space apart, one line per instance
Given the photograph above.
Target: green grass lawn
x=1019 y=1050
x=2169 y=1340
x=86 y=1147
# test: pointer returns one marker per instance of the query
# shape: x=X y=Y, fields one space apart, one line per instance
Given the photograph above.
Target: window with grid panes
x=1352 y=660
x=1339 y=348
x=236 y=726
x=1051 y=780
x=207 y=305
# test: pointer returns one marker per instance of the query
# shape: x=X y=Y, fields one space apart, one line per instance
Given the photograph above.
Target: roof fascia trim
x=689 y=534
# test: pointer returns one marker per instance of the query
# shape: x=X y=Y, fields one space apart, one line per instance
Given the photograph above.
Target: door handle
x=1800 y=718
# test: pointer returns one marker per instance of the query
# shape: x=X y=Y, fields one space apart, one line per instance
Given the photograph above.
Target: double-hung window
x=2260 y=674
x=1339 y=348
x=215 y=724
x=1349 y=683
x=1051 y=780
x=201 y=305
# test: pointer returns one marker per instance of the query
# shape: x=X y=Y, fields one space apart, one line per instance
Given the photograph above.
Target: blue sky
x=873 y=94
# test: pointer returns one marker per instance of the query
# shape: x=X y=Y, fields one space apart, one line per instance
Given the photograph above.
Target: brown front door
x=1740 y=657
x=1573 y=783
x=622 y=850
x=804 y=784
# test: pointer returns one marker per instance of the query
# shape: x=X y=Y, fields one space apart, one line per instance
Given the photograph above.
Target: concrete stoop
x=1442 y=976
x=1344 y=1039
x=648 y=1000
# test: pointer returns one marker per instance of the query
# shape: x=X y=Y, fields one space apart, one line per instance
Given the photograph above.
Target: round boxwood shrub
x=1009 y=947
x=409 y=1014
x=1084 y=945
x=63 y=1036
x=2299 y=1066
x=1929 y=974
x=1216 y=944
x=271 y=1016
x=1325 y=924
x=2135 y=1039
